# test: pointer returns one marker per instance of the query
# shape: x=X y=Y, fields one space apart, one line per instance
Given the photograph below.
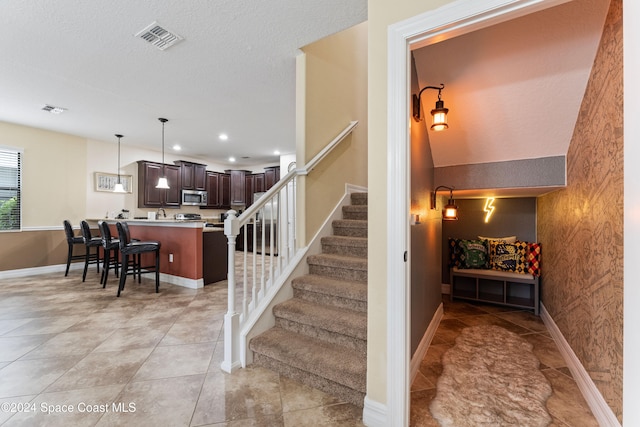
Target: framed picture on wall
x=107 y=181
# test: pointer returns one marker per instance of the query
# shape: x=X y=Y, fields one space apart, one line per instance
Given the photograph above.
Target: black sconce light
x=439 y=113
x=450 y=210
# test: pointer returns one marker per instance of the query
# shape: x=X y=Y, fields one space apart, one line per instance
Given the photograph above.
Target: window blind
x=10 y=186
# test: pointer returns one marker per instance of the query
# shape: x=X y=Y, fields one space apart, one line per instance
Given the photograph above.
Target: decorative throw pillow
x=508 y=239
x=508 y=256
x=474 y=254
x=534 y=254
x=454 y=253
x=521 y=262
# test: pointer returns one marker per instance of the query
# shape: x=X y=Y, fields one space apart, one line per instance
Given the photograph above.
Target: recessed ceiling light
x=232 y=159
x=176 y=147
x=277 y=153
x=53 y=110
x=223 y=137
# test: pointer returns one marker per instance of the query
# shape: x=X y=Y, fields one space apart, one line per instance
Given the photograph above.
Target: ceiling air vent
x=53 y=110
x=159 y=36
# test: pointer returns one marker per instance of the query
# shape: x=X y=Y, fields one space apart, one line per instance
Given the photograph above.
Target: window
x=10 y=187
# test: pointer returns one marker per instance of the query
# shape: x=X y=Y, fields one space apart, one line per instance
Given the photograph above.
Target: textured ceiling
x=514 y=89
x=233 y=73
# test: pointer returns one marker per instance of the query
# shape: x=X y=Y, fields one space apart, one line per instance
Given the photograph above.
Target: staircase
x=320 y=335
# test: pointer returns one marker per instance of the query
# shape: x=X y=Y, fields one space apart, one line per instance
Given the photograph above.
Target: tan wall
x=581 y=228
x=54 y=188
x=381 y=15
x=335 y=94
x=53 y=174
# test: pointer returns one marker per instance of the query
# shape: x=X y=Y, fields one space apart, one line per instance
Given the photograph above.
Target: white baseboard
x=47 y=269
x=352 y=188
x=59 y=268
x=425 y=342
x=182 y=281
x=374 y=413
x=601 y=410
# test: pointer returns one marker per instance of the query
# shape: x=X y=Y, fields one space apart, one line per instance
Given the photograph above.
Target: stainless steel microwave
x=194 y=198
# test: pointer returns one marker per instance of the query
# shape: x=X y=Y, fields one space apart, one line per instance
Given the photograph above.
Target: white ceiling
x=514 y=89
x=233 y=73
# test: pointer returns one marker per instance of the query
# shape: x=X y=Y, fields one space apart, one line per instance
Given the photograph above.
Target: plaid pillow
x=454 y=253
x=534 y=254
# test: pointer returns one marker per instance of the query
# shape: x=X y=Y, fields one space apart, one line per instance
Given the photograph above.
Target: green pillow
x=474 y=254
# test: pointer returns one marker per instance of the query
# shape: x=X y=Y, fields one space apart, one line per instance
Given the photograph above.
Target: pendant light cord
x=163 y=121
x=118 y=136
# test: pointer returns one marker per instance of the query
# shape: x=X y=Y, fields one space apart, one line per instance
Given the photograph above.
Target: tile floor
x=154 y=359
x=566 y=405
x=141 y=359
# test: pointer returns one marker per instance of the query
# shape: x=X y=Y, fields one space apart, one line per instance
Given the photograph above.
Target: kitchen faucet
x=164 y=214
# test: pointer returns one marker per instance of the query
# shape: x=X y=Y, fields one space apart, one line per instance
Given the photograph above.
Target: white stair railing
x=267 y=246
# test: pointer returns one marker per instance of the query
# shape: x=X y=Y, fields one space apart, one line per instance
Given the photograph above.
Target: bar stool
x=135 y=259
x=90 y=242
x=111 y=248
x=72 y=240
x=136 y=248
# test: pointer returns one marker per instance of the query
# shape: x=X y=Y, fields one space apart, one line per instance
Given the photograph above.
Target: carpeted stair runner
x=320 y=335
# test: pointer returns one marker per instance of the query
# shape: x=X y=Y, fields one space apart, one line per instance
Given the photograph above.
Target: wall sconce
x=439 y=113
x=118 y=188
x=162 y=181
x=450 y=210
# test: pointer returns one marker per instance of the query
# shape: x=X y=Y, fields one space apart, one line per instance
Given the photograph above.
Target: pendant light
x=162 y=181
x=118 y=188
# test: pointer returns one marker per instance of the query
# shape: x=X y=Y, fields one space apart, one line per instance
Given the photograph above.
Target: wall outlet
x=170 y=257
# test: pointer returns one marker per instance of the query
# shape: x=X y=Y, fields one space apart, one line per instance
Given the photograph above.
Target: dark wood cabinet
x=218 y=187
x=249 y=188
x=259 y=186
x=193 y=175
x=224 y=190
x=151 y=197
x=212 y=187
x=214 y=256
x=238 y=186
x=271 y=176
x=254 y=183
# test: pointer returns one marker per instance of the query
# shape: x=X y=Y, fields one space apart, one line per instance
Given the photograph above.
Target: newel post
x=232 y=318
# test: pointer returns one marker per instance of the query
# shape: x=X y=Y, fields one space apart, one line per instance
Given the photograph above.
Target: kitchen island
x=191 y=254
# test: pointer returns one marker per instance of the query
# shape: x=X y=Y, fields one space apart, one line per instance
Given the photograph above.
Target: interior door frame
x=451 y=20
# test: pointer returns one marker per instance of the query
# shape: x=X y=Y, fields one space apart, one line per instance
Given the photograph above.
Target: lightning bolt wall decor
x=489 y=208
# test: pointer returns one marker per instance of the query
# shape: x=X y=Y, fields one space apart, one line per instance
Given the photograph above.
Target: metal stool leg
x=157 y=271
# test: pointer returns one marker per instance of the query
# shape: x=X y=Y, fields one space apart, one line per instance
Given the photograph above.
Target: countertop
x=163 y=222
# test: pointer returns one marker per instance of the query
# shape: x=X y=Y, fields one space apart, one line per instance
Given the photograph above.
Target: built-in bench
x=498 y=287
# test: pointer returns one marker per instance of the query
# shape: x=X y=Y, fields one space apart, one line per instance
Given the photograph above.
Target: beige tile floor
x=566 y=405
x=72 y=354
x=154 y=359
